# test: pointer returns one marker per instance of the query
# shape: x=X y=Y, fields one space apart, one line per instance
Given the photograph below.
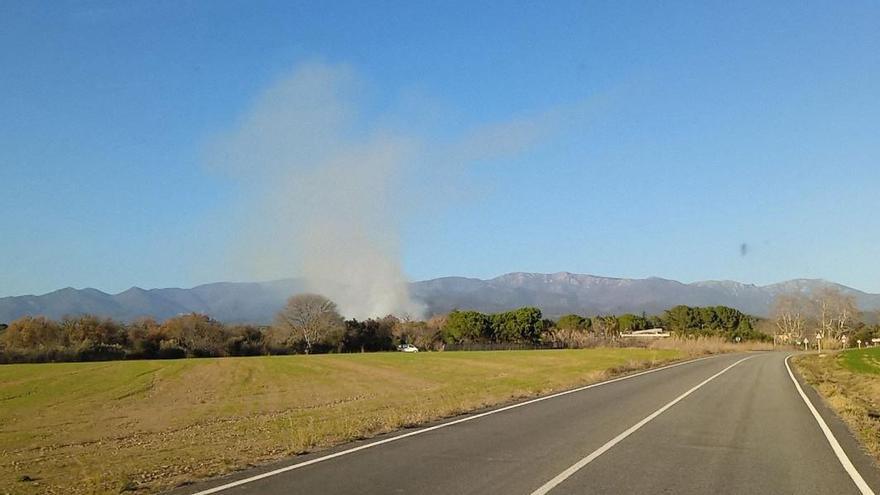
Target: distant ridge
x=564 y=292
x=226 y=301
x=554 y=293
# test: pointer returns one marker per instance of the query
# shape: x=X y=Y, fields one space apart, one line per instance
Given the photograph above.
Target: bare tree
x=835 y=312
x=417 y=333
x=311 y=317
x=789 y=313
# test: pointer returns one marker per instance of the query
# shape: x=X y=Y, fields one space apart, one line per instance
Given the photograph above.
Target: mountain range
x=556 y=294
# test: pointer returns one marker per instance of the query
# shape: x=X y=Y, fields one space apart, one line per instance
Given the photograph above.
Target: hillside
x=564 y=292
x=555 y=294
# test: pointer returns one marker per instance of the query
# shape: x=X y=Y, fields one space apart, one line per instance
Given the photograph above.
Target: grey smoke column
x=326 y=186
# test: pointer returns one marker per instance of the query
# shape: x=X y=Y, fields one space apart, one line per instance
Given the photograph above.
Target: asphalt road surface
x=727 y=424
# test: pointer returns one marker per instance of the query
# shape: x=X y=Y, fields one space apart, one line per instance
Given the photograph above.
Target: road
x=727 y=424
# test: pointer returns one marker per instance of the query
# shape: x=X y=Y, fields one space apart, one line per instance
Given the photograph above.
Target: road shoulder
x=849 y=440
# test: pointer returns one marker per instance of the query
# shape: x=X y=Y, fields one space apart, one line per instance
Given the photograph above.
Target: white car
x=407 y=348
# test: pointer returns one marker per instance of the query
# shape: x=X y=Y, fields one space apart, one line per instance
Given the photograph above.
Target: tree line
x=307 y=324
x=573 y=330
x=730 y=323
x=310 y=323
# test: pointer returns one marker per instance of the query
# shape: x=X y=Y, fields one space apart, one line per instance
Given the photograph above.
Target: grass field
x=149 y=425
x=850 y=383
x=862 y=360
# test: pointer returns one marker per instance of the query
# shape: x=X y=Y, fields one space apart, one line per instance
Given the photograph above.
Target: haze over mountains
x=555 y=294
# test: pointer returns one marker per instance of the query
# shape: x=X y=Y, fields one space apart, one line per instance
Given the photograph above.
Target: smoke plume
x=320 y=191
x=321 y=185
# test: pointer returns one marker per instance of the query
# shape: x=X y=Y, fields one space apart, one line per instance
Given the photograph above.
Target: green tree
x=520 y=325
x=682 y=319
x=630 y=322
x=573 y=322
x=465 y=326
x=369 y=335
x=724 y=321
x=865 y=333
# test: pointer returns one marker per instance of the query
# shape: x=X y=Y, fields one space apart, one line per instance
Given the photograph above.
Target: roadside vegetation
x=827 y=317
x=849 y=381
x=847 y=373
x=148 y=425
x=712 y=344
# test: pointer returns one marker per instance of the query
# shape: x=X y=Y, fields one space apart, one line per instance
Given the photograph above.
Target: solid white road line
x=316 y=460
x=835 y=445
x=619 y=438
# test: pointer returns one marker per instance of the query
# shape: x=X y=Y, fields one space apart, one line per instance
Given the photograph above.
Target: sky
x=685 y=140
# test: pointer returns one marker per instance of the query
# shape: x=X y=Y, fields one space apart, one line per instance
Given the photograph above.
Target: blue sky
x=666 y=136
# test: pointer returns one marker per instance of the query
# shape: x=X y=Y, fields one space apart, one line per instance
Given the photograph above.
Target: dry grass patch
x=698 y=346
x=149 y=425
x=853 y=391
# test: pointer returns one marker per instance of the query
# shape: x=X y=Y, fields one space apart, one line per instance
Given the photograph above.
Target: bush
x=88 y=329
x=90 y=351
x=198 y=335
x=369 y=335
x=168 y=349
x=245 y=341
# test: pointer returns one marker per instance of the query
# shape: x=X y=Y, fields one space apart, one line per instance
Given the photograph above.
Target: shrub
x=369 y=335
x=245 y=340
x=199 y=335
x=90 y=351
x=169 y=349
x=90 y=329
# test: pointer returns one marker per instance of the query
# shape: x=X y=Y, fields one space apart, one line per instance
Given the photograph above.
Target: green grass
x=100 y=427
x=862 y=360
